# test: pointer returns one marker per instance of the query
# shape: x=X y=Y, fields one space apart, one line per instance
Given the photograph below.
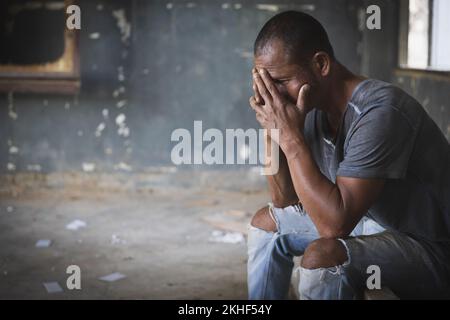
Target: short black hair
x=301 y=34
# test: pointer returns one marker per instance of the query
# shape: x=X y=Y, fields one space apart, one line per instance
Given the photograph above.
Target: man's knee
x=324 y=253
x=263 y=220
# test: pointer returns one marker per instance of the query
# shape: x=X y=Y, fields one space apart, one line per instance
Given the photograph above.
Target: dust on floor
x=168 y=243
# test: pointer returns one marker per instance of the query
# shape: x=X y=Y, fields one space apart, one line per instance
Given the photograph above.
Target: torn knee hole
x=324 y=253
x=263 y=220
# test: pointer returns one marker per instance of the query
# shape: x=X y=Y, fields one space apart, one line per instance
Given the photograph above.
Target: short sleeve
x=378 y=146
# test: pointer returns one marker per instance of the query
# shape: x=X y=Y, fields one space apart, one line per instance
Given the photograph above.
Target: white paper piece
x=113 y=277
x=53 y=287
x=226 y=237
x=88 y=167
x=115 y=239
x=76 y=224
x=43 y=243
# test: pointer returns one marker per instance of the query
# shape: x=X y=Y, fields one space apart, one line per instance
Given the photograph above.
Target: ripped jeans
x=411 y=269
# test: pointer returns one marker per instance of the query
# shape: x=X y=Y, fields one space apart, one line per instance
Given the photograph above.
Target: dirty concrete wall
x=379 y=48
x=433 y=92
x=148 y=67
x=48 y=132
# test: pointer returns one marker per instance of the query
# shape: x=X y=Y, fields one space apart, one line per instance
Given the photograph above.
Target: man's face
x=288 y=76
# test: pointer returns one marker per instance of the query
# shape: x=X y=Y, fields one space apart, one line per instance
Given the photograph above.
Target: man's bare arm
x=280 y=184
x=335 y=208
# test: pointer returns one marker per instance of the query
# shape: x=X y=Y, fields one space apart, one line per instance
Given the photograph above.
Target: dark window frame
x=61 y=76
x=402 y=65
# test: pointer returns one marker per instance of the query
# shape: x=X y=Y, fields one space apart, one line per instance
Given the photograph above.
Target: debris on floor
x=237 y=213
x=76 y=224
x=113 y=277
x=52 y=287
x=160 y=234
x=43 y=243
x=226 y=237
x=231 y=220
x=115 y=239
x=202 y=203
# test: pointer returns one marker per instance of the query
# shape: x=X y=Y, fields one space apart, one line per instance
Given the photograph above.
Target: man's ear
x=322 y=63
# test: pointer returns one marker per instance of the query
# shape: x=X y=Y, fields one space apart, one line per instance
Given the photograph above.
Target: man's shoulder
x=372 y=92
x=373 y=97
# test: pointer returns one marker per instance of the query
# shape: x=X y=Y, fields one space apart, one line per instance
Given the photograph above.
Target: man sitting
x=364 y=176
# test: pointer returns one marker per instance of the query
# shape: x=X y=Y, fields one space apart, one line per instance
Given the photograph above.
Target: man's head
x=294 y=48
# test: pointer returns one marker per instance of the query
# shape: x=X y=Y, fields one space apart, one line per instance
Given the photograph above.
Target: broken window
x=39 y=53
x=425 y=26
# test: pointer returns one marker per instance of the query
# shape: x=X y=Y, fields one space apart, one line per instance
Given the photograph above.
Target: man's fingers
x=255 y=106
x=302 y=100
x=261 y=87
x=258 y=97
x=269 y=83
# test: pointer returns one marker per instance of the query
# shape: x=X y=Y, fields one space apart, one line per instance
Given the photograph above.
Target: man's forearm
x=320 y=197
x=280 y=184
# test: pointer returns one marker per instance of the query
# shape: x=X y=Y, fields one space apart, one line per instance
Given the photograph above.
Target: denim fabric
x=409 y=268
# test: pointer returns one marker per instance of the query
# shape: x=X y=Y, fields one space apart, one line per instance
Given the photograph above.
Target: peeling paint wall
x=149 y=67
x=51 y=133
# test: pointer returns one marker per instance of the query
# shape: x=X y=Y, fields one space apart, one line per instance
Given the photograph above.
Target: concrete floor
x=163 y=247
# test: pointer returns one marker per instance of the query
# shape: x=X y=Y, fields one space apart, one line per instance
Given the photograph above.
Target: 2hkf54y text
x=225 y=309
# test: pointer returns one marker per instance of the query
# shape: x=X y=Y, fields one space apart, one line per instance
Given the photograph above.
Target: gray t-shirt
x=385 y=133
